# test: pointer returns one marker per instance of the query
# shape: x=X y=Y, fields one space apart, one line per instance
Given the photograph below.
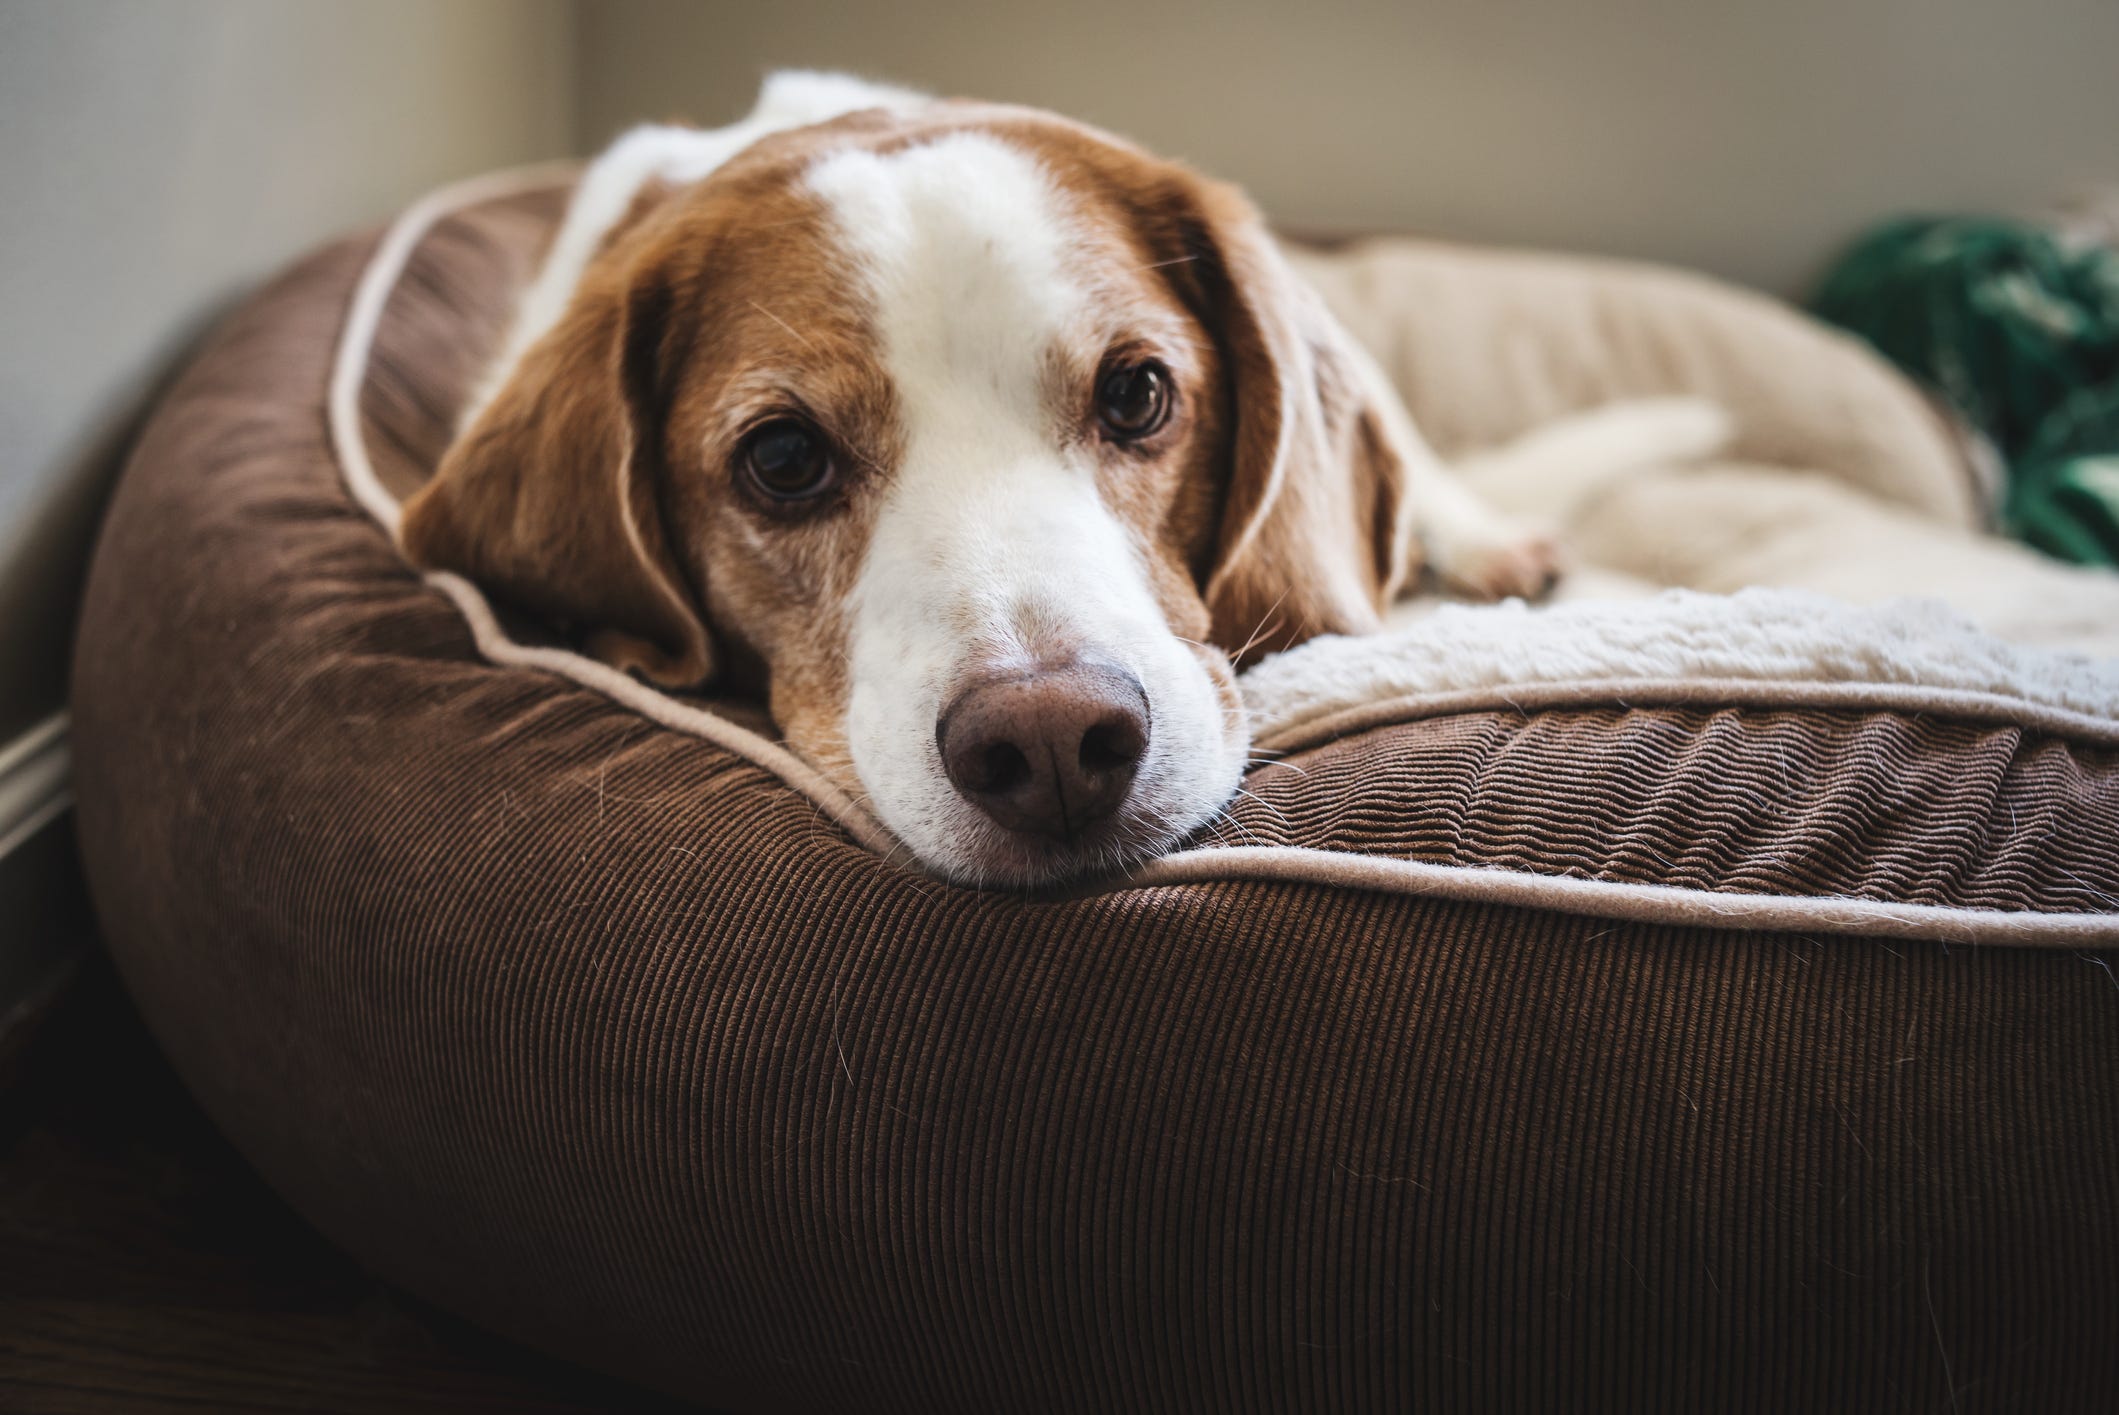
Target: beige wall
x=1745 y=137
x=158 y=157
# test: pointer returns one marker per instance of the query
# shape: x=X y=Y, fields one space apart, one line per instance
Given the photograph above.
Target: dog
x=982 y=445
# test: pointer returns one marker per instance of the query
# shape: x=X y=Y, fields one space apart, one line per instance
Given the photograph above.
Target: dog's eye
x=1133 y=401
x=787 y=460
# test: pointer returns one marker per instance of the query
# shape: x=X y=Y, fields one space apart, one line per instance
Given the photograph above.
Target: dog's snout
x=1049 y=753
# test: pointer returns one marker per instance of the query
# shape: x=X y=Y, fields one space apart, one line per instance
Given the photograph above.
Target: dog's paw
x=1679 y=428
x=1509 y=563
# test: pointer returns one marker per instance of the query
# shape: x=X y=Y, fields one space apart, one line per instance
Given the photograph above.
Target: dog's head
x=981 y=443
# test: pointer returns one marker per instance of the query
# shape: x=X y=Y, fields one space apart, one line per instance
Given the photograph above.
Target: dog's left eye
x=1133 y=401
x=787 y=460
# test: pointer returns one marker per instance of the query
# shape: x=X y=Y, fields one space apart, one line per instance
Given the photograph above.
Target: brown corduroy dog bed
x=617 y=1038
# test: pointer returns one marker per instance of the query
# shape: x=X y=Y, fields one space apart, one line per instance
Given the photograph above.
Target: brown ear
x=550 y=498
x=1314 y=535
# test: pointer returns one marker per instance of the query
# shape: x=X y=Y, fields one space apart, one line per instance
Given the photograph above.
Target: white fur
x=992 y=519
x=1491 y=523
x=1554 y=470
x=1486 y=521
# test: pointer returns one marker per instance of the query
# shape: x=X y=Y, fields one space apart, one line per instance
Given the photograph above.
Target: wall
x=1746 y=138
x=158 y=158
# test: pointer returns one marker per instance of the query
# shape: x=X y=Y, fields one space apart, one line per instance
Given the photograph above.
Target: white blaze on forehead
x=961 y=247
x=961 y=244
x=992 y=547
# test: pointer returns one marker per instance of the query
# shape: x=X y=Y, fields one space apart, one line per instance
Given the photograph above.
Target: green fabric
x=2019 y=329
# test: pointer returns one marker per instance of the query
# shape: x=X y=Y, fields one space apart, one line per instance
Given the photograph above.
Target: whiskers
x=1264 y=805
x=1266 y=625
x=1227 y=818
x=1260 y=763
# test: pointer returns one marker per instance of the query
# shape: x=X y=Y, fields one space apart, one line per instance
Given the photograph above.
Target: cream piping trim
x=1956 y=703
x=1656 y=904
x=36 y=781
x=1638 y=903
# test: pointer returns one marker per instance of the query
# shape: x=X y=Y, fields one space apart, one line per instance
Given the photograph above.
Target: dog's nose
x=1049 y=753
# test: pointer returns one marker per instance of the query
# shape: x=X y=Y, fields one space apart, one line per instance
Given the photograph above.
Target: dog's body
x=982 y=444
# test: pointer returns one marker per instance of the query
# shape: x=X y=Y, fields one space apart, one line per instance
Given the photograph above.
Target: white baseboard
x=36 y=781
x=46 y=927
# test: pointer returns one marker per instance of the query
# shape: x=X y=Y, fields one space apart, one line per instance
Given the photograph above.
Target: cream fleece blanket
x=1769 y=646
x=1834 y=550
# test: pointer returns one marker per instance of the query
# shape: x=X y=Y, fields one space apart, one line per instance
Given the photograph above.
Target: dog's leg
x=1490 y=523
x=1552 y=471
x=1474 y=549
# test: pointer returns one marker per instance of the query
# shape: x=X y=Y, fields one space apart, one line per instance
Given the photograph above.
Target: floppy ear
x=1315 y=534
x=550 y=498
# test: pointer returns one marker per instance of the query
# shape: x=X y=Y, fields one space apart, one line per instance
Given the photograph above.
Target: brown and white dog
x=982 y=444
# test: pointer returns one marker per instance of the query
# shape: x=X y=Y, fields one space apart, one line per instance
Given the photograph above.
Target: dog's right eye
x=1133 y=401
x=787 y=460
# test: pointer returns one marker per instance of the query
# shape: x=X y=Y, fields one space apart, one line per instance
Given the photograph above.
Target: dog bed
x=1740 y=1033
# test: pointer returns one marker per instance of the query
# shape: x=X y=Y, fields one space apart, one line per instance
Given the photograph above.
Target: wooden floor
x=144 y=1267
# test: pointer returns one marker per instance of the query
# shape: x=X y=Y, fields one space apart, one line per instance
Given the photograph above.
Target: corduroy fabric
x=1865 y=805
x=601 y=1035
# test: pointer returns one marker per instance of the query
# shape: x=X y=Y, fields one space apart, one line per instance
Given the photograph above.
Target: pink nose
x=1048 y=753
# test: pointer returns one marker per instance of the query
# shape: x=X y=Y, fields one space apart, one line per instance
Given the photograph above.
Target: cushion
x=1601 y=1049
x=1485 y=344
